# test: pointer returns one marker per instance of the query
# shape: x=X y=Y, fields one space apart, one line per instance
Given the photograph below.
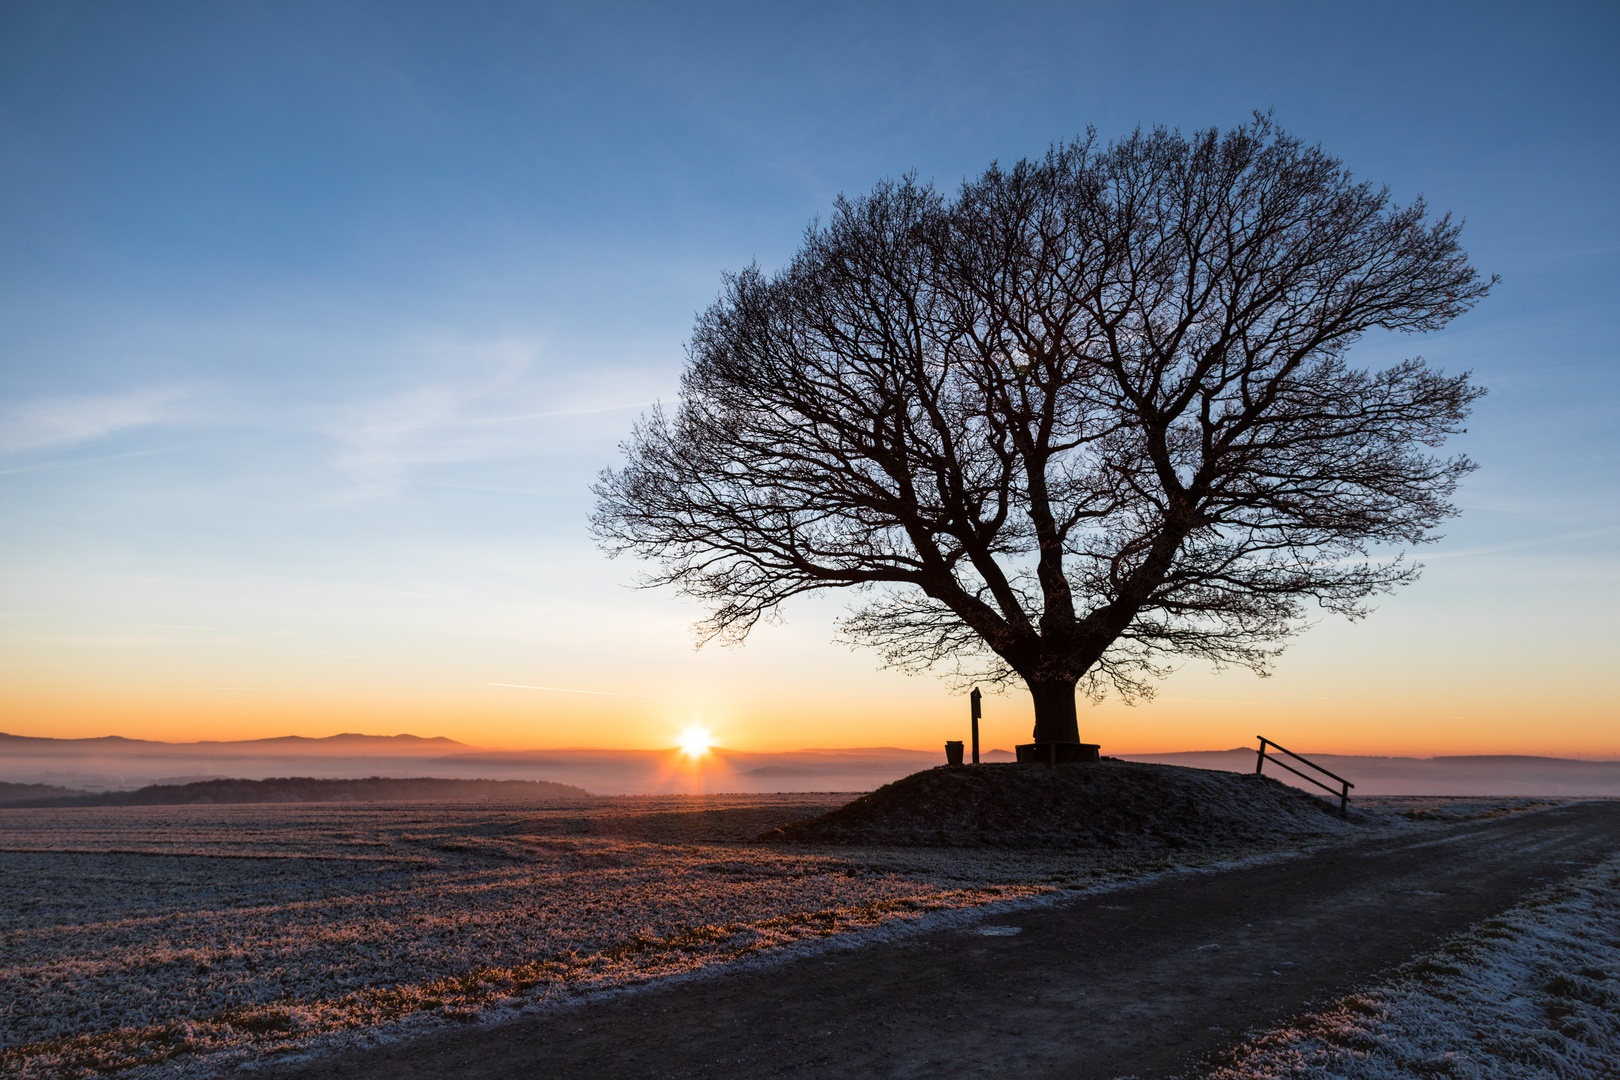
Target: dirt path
x=1123 y=983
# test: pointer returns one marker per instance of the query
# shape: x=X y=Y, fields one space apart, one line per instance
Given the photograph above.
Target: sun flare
x=695 y=741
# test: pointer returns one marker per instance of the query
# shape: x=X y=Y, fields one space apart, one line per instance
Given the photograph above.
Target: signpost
x=974 y=698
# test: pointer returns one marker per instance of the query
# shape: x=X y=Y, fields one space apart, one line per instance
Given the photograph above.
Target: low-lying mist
x=115 y=764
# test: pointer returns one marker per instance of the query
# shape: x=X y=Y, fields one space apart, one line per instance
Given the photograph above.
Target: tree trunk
x=1055 y=718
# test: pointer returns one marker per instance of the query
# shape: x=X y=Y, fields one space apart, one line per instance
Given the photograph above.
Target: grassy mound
x=1113 y=804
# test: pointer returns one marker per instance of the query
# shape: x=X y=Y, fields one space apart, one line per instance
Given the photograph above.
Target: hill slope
x=1111 y=804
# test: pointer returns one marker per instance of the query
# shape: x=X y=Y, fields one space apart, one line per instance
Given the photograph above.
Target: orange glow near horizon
x=1397 y=689
x=1383 y=720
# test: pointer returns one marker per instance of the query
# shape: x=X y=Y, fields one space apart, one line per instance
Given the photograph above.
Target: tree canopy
x=1092 y=413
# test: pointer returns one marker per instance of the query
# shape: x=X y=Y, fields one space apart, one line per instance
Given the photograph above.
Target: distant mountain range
x=284 y=744
x=113 y=763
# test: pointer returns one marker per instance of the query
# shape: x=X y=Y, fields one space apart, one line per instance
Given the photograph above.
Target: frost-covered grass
x=1451 y=809
x=164 y=939
x=174 y=940
x=1533 y=994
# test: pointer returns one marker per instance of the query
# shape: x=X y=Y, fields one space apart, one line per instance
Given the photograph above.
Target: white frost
x=1533 y=994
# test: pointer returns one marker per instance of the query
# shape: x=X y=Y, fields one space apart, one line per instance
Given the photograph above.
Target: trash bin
x=953 y=752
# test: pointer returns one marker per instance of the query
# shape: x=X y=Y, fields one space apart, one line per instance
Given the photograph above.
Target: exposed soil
x=1112 y=804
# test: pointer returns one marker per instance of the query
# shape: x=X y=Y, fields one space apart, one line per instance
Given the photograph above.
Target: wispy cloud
x=81 y=461
x=500 y=408
x=381 y=438
x=1521 y=545
x=56 y=422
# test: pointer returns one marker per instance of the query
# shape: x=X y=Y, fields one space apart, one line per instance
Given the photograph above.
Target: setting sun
x=695 y=741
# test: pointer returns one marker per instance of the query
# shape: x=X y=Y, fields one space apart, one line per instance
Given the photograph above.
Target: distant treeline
x=303 y=789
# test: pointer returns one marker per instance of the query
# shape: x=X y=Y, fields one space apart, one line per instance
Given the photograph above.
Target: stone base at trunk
x=1058 y=753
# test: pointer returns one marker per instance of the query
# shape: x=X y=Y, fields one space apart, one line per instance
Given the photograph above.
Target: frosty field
x=146 y=935
x=177 y=940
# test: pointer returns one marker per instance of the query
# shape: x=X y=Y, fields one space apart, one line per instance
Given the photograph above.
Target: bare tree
x=1091 y=414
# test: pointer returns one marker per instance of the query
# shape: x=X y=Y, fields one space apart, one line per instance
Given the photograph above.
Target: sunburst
x=695 y=741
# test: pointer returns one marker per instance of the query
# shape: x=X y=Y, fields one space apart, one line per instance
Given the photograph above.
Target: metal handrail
x=1343 y=793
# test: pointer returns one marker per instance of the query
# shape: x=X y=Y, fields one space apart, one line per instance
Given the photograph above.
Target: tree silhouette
x=1092 y=414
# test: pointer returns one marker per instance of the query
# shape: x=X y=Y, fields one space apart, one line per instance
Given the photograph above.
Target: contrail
x=565 y=690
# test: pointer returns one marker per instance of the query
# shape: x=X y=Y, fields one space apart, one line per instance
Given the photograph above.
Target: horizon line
x=467 y=749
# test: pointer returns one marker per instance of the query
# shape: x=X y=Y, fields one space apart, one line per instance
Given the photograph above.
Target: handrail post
x=1344 y=785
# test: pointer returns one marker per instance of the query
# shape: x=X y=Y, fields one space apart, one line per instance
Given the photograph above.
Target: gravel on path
x=1142 y=981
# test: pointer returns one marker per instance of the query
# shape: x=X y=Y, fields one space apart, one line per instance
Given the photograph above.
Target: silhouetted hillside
x=297 y=789
x=12 y=793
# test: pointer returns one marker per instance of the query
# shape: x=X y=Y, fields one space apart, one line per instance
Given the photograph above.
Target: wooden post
x=1260 y=764
x=974 y=698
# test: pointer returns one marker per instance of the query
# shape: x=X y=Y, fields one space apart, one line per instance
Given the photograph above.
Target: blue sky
x=316 y=321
